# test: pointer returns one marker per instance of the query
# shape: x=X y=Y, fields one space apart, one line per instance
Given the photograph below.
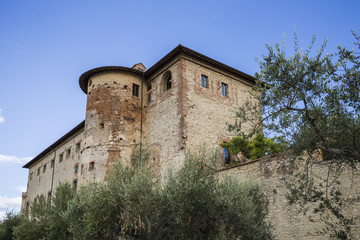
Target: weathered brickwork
x=129 y=106
x=164 y=119
x=113 y=119
x=206 y=110
x=287 y=221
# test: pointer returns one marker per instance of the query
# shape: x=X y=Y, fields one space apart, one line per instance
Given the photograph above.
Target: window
x=61 y=157
x=227 y=157
x=76 y=168
x=148 y=86
x=149 y=93
x=38 y=171
x=52 y=163
x=136 y=90
x=78 y=145
x=167 y=81
x=204 y=81
x=102 y=125
x=149 y=97
x=224 y=89
x=91 y=166
x=68 y=152
x=44 y=168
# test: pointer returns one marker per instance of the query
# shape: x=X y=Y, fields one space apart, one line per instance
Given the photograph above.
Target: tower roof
x=180 y=49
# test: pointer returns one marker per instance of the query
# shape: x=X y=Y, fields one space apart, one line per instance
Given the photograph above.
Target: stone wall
x=287 y=221
x=164 y=119
x=58 y=166
x=206 y=109
x=113 y=120
x=188 y=115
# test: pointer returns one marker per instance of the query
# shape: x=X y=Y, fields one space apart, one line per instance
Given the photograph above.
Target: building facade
x=181 y=102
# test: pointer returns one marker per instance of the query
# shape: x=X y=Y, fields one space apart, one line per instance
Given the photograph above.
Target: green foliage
x=190 y=204
x=256 y=148
x=237 y=145
x=133 y=204
x=310 y=102
x=243 y=204
x=11 y=220
x=47 y=219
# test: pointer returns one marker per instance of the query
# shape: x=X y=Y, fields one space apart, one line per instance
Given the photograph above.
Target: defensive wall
x=288 y=221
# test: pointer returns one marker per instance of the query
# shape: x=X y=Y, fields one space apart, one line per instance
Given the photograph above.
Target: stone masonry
x=182 y=102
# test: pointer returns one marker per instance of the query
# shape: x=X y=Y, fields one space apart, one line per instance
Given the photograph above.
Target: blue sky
x=46 y=45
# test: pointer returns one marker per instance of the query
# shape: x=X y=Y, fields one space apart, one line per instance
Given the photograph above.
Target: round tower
x=113 y=121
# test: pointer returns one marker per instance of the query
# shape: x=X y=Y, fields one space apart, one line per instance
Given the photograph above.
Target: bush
x=191 y=204
x=11 y=220
x=256 y=148
x=134 y=203
x=47 y=219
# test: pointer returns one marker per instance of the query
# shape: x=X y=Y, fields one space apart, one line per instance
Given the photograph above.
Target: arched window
x=167 y=81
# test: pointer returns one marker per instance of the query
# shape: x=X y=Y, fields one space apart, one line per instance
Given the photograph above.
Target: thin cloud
x=2 y=215
x=21 y=189
x=14 y=159
x=9 y=204
x=2 y=119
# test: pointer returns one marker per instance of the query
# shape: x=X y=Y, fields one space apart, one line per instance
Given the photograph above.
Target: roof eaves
x=84 y=78
x=181 y=49
x=55 y=144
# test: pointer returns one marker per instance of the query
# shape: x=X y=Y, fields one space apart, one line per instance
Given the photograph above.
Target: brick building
x=181 y=102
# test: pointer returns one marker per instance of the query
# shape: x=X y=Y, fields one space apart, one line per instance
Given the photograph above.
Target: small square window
x=68 y=152
x=44 y=168
x=224 y=89
x=136 y=89
x=61 y=157
x=91 y=166
x=204 y=81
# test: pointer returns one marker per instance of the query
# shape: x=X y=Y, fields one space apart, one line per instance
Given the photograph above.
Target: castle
x=181 y=102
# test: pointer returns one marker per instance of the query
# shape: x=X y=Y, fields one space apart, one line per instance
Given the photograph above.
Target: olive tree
x=310 y=101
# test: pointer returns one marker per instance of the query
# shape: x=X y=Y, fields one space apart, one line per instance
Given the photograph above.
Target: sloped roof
x=56 y=144
x=180 y=49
